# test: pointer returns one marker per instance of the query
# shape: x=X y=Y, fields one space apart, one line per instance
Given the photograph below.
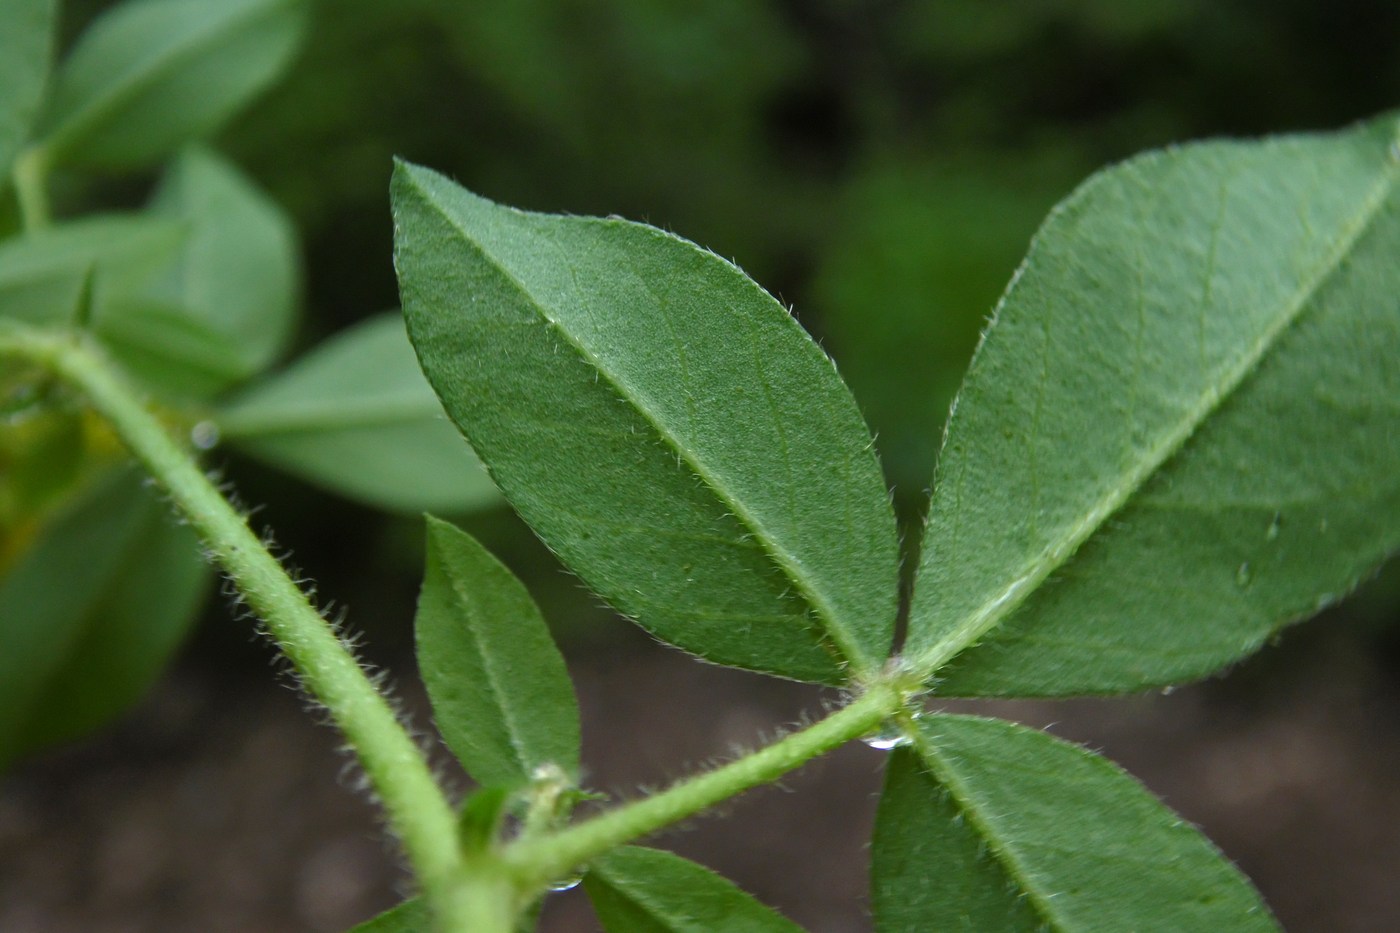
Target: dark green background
x=880 y=167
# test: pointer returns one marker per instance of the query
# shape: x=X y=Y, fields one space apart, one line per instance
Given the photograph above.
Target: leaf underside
x=150 y=75
x=26 y=46
x=1180 y=431
x=501 y=695
x=661 y=422
x=238 y=270
x=640 y=890
x=91 y=612
x=356 y=415
x=988 y=825
x=43 y=272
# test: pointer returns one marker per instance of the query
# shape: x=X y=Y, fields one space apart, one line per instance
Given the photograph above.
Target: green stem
x=416 y=807
x=30 y=175
x=538 y=860
x=482 y=896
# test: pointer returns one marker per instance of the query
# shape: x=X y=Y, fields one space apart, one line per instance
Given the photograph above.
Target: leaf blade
x=411 y=916
x=984 y=824
x=238 y=270
x=91 y=613
x=640 y=890
x=43 y=272
x=26 y=47
x=656 y=336
x=357 y=416
x=1073 y=415
x=500 y=692
x=150 y=75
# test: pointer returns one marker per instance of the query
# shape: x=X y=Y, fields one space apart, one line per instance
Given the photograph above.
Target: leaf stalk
x=537 y=860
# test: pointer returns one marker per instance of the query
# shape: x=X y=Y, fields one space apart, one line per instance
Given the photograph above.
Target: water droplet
x=1168 y=690
x=888 y=736
x=1244 y=576
x=205 y=435
x=1275 y=525
x=566 y=884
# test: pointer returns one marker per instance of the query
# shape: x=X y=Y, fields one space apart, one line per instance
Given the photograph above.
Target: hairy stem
x=417 y=810
x=540 y=859
x=482 y=896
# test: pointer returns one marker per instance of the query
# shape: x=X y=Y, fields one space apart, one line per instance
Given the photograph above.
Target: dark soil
x=218 y=806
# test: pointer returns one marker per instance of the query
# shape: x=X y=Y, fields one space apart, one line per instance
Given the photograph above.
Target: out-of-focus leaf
x=149 y=75
x=42 y=273
x=42 y=454
x=26 y=47
x=356 y=415
x=1180 y=431
x=238 y=271
x=918 y=257
x=987 y=825
x=500 y=692
x=91 y=612
x=480 y=818
x=170 y=350
x=639 y=890
x=412 y=916
x=661 y=422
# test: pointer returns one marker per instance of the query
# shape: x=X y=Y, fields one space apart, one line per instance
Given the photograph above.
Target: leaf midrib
x=494 y=679
x=846 y=644
x=1006 y=856
x=991 y=613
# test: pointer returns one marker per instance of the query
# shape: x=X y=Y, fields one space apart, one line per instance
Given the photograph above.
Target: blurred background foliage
x=880 y=166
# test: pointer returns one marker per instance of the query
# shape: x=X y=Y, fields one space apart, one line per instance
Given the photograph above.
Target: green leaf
x=355 y=414
x=661 y=422
x=987 y=825
x=412 y=916
x=42 y=273
x=123 y=259
x=169 y=350
x=150 y=75
x=1180 y=431
x=501 y=695
x=26 y=48
x=238 y=272
x=479 y=821
x=90 y=614
x=638 y=890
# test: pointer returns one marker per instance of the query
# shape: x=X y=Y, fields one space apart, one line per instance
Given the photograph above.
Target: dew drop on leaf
x=566 y=884
x=204 y=435
x=886 y=738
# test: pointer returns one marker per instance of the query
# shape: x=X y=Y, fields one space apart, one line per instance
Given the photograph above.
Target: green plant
x=1178 y=435
x=196 y=296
